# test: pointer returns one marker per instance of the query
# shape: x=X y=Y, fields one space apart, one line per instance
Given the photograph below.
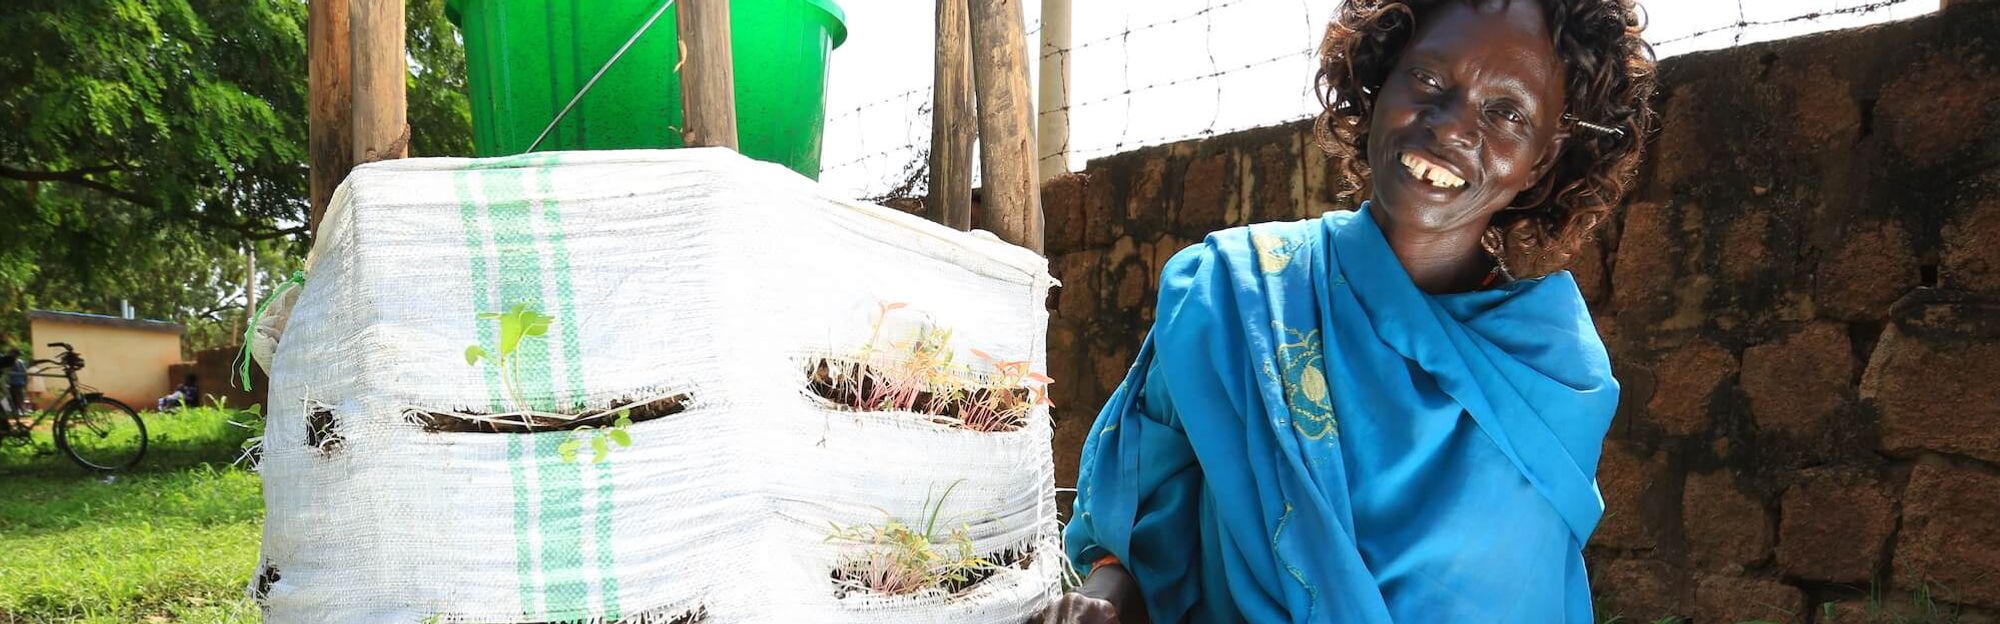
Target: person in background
x=17 y=382
x=188 y=394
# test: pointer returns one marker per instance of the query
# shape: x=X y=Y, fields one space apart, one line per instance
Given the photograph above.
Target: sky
x=1193 y=67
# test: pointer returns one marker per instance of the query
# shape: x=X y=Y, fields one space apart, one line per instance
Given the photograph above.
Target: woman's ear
x=1548 y=159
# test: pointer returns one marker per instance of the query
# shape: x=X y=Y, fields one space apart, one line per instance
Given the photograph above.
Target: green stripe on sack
x=572 y=356
x=553 y=583
x=496 y=401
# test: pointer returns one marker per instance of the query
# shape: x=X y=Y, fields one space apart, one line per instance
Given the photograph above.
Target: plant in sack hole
x=601 y=439
x=926 y=379
x=516 y=324
x=521 y=323
x=899 y=560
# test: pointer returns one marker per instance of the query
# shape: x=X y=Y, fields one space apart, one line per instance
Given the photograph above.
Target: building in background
x=125 y=358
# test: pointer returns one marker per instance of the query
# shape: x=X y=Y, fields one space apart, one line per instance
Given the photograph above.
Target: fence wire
x=1148 y=73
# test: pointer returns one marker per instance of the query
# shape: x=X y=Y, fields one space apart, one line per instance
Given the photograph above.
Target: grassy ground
x=174 y=540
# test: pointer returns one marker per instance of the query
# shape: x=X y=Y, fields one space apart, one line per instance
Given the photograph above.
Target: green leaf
x=599 y=448
x=624 y=419
x=567 y=450
x=622 y=437
x=473 y=353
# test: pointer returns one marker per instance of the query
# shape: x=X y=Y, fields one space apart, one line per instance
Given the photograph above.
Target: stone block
x=1640 y=590
x=1972 y=245
x=1063 y=213
x=1951 y=534
x=1643 y=278
x=1936 y=388
x=1938 y=106
x=1625 y=479
x=1688 y=378
x=1873 y=267
x=1796 y=380
x=1730 y=600
x=1207 y=194
x=1834 y=528
x=1726 y=529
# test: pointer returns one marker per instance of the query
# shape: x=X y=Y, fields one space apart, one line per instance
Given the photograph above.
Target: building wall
x=1802 y=301
x=124 y=363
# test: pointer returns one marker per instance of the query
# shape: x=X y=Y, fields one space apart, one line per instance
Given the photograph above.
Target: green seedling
x=516 y=324
x=599 y=438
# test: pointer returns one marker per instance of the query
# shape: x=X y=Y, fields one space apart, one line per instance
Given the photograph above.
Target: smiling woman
x=1394 y=414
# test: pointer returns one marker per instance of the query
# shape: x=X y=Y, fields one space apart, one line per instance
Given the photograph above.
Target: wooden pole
x=1011 y=206
x=952 y=129
x=376 y=33
x=708 y=81
x=1052 y=116
x=328 y=116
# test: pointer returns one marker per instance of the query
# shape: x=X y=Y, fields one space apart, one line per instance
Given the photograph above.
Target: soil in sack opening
x=449 y=422
x=891 y=573
x=948 y=399
x=320 y=430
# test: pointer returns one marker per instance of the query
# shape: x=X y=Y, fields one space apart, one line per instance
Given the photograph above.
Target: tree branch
x=78 y=177
x=81 y=177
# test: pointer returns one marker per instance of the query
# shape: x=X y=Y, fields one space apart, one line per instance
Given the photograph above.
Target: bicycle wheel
x=101 y=434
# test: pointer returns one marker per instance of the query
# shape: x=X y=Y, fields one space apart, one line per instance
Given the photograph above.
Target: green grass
x=174 y=540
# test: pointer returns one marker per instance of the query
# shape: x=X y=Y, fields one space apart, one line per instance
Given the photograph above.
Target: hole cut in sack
x=961 y=400
x=267 y=575
x=322 y=430
x=639 y=410
x=889 y=573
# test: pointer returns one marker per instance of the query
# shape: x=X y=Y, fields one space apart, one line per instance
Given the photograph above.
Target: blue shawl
x=1307 y=437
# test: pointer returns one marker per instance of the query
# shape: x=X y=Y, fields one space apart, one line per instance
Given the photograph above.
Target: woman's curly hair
x=1609 y=83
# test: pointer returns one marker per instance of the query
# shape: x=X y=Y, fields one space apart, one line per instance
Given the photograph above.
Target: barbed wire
x=890 y=162
x=1743 y=23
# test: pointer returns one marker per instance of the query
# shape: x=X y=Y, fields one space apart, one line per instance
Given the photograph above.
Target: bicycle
x=97 y=432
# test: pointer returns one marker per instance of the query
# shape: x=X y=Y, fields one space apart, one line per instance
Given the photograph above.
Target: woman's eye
x=1428 y=81
x=1511 y=116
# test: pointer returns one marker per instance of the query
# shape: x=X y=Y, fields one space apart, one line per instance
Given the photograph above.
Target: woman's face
x=1469 y=116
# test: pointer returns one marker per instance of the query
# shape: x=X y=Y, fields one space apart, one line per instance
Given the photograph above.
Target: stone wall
x=1802 y=301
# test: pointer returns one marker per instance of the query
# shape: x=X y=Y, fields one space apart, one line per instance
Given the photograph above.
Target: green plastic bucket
x=525 y=60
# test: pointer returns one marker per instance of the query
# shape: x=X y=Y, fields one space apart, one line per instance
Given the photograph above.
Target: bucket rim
x=454 y=11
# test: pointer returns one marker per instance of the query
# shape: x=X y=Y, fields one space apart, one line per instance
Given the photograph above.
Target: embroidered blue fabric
x=1307 y=437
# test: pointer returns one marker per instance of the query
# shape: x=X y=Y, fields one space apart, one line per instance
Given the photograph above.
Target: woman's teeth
x=1428 y=172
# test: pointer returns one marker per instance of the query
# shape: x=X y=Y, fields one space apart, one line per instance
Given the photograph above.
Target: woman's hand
x=1078 y=608
x=1109 y=596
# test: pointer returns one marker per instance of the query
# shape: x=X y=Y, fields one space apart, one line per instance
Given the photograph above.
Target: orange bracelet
x=1103 y=561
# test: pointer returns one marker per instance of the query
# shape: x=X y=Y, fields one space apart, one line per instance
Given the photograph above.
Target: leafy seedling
x=516 y=324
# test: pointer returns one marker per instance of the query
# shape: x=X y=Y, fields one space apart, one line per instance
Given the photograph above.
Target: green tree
x=148 y=143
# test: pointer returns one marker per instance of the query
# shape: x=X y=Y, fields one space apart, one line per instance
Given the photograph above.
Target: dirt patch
x=860 y=388
x=476 y=422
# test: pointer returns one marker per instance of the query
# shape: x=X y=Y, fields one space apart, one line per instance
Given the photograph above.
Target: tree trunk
x=1011 y=206
x=328 y=115
x=952 y=121
x=381 y=131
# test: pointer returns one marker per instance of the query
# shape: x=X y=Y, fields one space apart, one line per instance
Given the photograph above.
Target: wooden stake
x=1052 y=116
x=1011 y=206
x=708 y=81
x=952 y=129
x=328 y=115
x=381 y=131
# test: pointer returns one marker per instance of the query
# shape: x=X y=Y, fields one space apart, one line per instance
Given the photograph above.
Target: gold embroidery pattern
x=1274 y=253
x=1301 y=371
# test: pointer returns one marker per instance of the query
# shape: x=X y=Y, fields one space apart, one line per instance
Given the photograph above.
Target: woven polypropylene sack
x=695 y=274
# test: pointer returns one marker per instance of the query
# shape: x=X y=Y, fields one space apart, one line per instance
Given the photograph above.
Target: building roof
x=107 y=321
